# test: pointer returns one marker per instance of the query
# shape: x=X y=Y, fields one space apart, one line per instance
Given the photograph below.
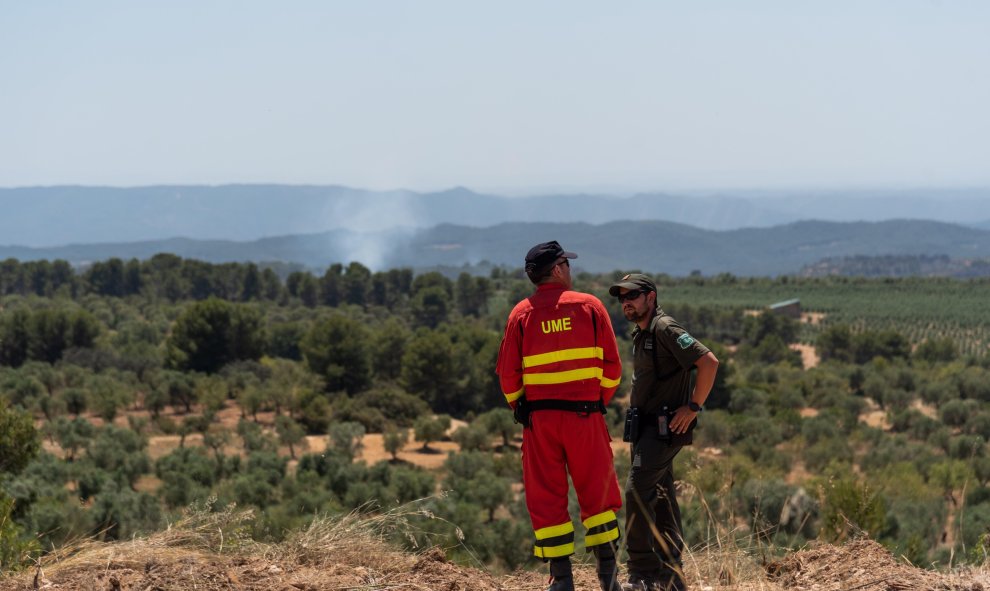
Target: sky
x=513 y=97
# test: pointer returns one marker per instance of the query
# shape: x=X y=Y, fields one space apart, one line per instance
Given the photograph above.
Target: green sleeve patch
x=685 y=340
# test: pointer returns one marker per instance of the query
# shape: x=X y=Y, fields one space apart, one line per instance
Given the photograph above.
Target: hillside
x=205 y=552
x=53 y=216
x=249 y=212
x=660 y=247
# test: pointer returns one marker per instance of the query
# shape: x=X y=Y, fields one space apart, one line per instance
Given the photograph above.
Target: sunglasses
x=630 y=295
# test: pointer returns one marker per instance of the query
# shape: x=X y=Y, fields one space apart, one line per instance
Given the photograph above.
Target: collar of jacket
x=549 y=287
x=637 y=330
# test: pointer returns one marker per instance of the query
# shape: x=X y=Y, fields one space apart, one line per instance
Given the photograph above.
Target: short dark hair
x=540 y=275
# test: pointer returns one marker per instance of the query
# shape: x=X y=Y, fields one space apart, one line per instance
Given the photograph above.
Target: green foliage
x=44 y=506
x=336 y=349
x=313 y=412
x=187 y=475
x=429 y=428
x=388 y=345
x=213 y=333
x=119 y=453
x=500 y=422
x=763 y=502
x=15 y=549
x=759 y=327
x=107 y=396
x=950 y=475
x=472 y=478
x=937 y=350
x=431 y=306
x=471 y=294
x=284 y=340
x=975 y=526
x=394 y=439
x=44 y=334
x=345 y=438
x=451 y=369
x=955 y=413
x=176 y=388
x=393 y=403
x=849 y=507
x=19 y=441
x=119 y=513
x=71 y=435
x=838 y=342
x=714 y=430
x=254 y=437
x=472 y=437
x=258 y=484
x=290 y=433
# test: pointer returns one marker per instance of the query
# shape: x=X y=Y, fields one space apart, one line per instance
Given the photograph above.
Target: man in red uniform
x=558 y=367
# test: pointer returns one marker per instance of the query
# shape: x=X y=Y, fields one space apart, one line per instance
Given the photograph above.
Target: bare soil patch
x=874 y=416
x=928 y=410
x=373 y=451
x=809 y=357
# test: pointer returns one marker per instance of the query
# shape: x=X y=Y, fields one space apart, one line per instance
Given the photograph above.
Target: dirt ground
x=809 y=357
x=864 y=565
x=142 y=565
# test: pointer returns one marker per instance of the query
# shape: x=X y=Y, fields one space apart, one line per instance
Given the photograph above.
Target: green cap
x=633 y=281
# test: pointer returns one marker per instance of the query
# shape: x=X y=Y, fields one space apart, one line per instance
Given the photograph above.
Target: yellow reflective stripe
x=513 y=396
x=555 y=530
x=601 y=518
x=596 y=539
x=561 y=377
x=563 y=355
x=553 y=551
x=607 y=383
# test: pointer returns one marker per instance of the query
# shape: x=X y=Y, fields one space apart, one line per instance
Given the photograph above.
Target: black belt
x=579 y=406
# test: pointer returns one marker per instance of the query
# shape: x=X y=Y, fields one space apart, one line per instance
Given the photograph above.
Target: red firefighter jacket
x=559 y=344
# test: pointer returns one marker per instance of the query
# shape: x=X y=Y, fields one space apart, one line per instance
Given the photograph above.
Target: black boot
x=608 y=572
x=560 y=575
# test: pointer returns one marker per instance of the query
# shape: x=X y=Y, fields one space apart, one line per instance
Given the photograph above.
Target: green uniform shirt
x=675 y=349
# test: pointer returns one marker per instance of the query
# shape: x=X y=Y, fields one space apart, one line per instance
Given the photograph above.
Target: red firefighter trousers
x=559 y=442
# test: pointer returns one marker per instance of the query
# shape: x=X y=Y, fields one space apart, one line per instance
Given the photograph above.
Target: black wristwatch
x=695 y=407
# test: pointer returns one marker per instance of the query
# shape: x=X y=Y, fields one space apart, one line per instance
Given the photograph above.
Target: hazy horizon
x=609 y=191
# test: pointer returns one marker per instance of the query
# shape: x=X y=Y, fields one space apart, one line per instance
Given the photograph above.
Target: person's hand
x=682 y=419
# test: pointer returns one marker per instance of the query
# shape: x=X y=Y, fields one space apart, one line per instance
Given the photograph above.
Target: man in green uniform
x=666 y=406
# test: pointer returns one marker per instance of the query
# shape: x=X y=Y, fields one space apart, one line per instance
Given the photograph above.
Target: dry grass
x=332 y=539
x=208 y=550
x=202 y=535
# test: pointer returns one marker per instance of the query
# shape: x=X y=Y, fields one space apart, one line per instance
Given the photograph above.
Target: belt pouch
x=630 y=434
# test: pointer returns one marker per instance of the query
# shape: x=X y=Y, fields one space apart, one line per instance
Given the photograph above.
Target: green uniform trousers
x=653 y=518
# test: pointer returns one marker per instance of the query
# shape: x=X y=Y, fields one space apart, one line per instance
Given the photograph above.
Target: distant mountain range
x=54 y=216
x=662 y=247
